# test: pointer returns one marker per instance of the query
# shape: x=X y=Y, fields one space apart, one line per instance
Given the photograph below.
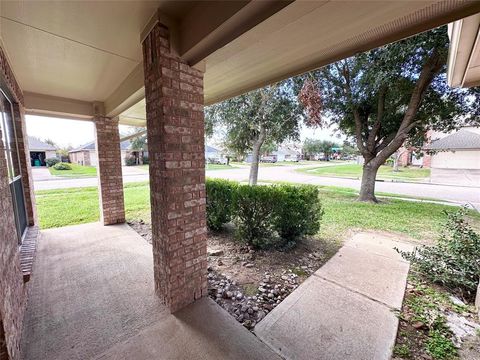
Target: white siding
x=461 y=159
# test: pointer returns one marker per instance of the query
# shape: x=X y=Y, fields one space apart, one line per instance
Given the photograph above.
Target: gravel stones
x=249 y=310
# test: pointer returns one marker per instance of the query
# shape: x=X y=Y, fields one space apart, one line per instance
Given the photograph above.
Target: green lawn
x=77 y=171
x=342 y=211
x=384 y=173
x=218 y=167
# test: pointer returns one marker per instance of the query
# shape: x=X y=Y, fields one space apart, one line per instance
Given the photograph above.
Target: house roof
x=286 y=151
x=36 y=144
x=209 y=149
x=124 y=145
x=463 y=139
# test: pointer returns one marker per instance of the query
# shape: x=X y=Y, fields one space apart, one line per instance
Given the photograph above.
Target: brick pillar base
x=112 y=210
x=175 y=130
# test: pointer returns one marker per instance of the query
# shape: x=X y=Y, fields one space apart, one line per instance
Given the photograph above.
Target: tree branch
x=356 y=115
x=431 y=68
x=372 y=136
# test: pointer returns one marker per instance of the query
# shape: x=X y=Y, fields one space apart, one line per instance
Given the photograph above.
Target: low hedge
x=62 y=166
x=264 y=216
x=219 y=202
x=51 y=161
x=255 y=214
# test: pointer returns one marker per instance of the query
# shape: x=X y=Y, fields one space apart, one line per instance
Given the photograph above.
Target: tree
x=326 y=147
x=392 y=94
x=311 y=147
x=50 y=142
x=269 y=115
x=139 y=142
x=314 y=147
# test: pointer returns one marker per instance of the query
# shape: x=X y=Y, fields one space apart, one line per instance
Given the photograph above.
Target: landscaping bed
x=438 y=319
x=250 y=283
x=425 y=329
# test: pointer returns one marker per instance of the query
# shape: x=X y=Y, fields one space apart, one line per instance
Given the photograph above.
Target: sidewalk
x=346 y=310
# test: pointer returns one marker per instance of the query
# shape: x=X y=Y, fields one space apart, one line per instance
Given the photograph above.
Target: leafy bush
x=145 y=160
x=254 y=209
x=454 y=262
x=220 y=195
x=130 y=161
x=298 y=211
x=62 y=166
x=51 y=161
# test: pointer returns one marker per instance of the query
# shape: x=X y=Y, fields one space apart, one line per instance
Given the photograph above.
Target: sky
x=73 y=133
x=64 y=132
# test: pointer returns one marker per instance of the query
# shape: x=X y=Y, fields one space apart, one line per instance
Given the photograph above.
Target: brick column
x=110 y=189
x=175 y=131
x=25 y=165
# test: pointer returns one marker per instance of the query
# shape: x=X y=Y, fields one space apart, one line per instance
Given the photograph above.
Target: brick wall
x=12 y=291
x=25 y=165
x=3 y=344
x=175 y=131
x=110 y=190
x=12 y=296
x=80 y=157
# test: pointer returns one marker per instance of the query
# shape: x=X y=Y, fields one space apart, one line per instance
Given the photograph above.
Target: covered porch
x=92 y=298
x=153 y=64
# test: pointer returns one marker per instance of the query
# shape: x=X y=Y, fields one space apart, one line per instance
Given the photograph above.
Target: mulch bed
x=250 y=283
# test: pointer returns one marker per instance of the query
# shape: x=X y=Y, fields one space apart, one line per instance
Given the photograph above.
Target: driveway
x=457 y=194
x=42 y=180
x=41 y=173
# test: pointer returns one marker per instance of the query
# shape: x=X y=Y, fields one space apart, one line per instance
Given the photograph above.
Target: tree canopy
x=270 y=115
x=390 y=95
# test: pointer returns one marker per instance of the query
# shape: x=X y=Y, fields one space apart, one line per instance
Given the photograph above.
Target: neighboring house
x=39 y=151
x=87 y=154
x=214 y=156
x=286 y=154
x=456 y=158
x=411 y=157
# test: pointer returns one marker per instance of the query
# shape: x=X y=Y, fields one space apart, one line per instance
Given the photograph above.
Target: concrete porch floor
x=91 y=297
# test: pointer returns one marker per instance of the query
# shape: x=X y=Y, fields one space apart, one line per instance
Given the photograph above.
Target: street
x=457 y=194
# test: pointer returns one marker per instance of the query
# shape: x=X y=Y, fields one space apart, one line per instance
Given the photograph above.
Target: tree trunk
x=367 y=188
x=252 y=180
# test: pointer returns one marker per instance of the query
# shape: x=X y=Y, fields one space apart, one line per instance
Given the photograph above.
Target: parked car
x=217 y=160
x=268 y=159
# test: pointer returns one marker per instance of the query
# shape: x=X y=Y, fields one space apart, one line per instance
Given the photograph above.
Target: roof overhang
x=66 y=59
x=464 y=54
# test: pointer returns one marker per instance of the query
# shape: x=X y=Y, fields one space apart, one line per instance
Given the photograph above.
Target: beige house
x=39 y=151
x=456 y=158
x=87 y=154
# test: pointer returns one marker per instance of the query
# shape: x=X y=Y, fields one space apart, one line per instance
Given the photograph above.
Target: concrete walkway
x=92 y=297
x=346 y=310
x=41 y=173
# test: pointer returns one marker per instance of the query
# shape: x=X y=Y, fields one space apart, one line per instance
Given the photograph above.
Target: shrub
x=298 y=211
x=145 y=160
x=130 y=161
x=220 y=195
x=454 y=262
x=51 y=161
x=254 y=209
x=62 y=166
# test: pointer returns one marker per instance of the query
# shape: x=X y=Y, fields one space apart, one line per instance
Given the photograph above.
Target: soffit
x=76 y=49
x=307 y=35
